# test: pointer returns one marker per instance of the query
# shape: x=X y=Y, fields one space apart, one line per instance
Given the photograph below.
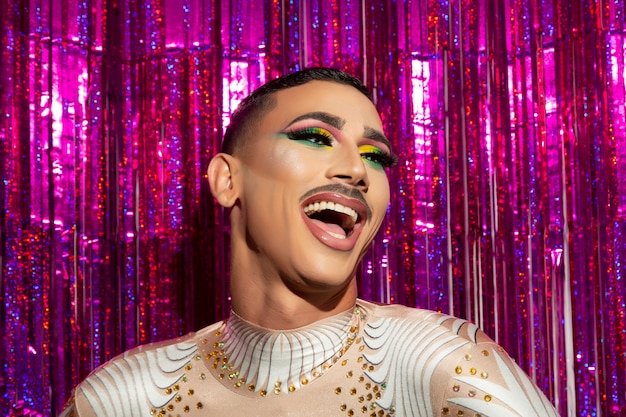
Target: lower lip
x=331 y=241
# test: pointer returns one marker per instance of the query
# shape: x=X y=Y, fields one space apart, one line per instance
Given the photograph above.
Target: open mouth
x=335 y=218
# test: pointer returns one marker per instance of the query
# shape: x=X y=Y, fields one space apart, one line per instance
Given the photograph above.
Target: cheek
x=379 y=188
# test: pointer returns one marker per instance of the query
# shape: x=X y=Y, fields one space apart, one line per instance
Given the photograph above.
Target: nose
x=348 y=167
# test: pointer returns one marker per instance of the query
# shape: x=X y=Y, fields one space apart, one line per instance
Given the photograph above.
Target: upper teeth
x=329 y=205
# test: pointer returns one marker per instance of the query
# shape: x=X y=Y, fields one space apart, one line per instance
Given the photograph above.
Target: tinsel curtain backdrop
x=508 y=206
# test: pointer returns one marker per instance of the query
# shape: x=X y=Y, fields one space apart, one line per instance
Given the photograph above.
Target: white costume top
x=370 y=361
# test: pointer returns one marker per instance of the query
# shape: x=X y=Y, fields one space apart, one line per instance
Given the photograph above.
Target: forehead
x=340 y=100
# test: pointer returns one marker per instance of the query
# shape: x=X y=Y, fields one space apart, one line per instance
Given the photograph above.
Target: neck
x=280 y=308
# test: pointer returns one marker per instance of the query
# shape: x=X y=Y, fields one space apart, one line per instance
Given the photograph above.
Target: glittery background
x=508 y=206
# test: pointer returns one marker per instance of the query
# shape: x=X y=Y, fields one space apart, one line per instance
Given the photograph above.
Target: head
x=263 y=99
x=304 y=174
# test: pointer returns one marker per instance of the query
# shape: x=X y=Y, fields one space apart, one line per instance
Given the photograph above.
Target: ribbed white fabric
x=264 y=356
x=401 y=362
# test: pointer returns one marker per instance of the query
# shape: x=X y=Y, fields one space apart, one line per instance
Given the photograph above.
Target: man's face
x=314 y=186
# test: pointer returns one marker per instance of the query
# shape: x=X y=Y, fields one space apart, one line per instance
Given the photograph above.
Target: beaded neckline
x=263 y=361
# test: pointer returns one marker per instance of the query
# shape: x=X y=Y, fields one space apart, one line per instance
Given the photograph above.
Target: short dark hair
x=261 y=100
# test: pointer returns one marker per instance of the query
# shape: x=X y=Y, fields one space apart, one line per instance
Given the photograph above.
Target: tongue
x=330 y=227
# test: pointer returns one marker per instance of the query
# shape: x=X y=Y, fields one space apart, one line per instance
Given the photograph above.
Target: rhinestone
x=458 y=369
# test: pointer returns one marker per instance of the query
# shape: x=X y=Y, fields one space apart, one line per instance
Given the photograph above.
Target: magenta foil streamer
x=508 y=204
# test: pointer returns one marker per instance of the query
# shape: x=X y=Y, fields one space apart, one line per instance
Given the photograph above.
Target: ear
x=221 y=172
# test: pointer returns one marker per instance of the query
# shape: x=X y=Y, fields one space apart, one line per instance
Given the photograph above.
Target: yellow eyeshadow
x=370 y=149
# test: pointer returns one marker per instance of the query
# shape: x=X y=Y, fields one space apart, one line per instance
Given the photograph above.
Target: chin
x=323 y=284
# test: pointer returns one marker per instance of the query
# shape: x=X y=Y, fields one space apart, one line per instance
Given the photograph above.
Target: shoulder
x=420 y=320
x=452 y=365
x=131 y=383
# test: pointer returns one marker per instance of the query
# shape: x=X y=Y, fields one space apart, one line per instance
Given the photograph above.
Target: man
x=303 y=174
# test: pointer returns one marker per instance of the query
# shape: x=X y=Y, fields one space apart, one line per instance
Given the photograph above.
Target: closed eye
x=377 y=157
x=314 y=136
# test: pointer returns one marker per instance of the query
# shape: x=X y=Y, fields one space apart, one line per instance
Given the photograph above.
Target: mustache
x=342 y=189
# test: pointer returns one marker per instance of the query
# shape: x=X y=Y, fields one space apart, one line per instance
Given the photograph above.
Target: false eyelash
x=315 y=135
x=383 y=159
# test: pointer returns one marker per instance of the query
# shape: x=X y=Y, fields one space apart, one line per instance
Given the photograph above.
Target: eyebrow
x=338 y=123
